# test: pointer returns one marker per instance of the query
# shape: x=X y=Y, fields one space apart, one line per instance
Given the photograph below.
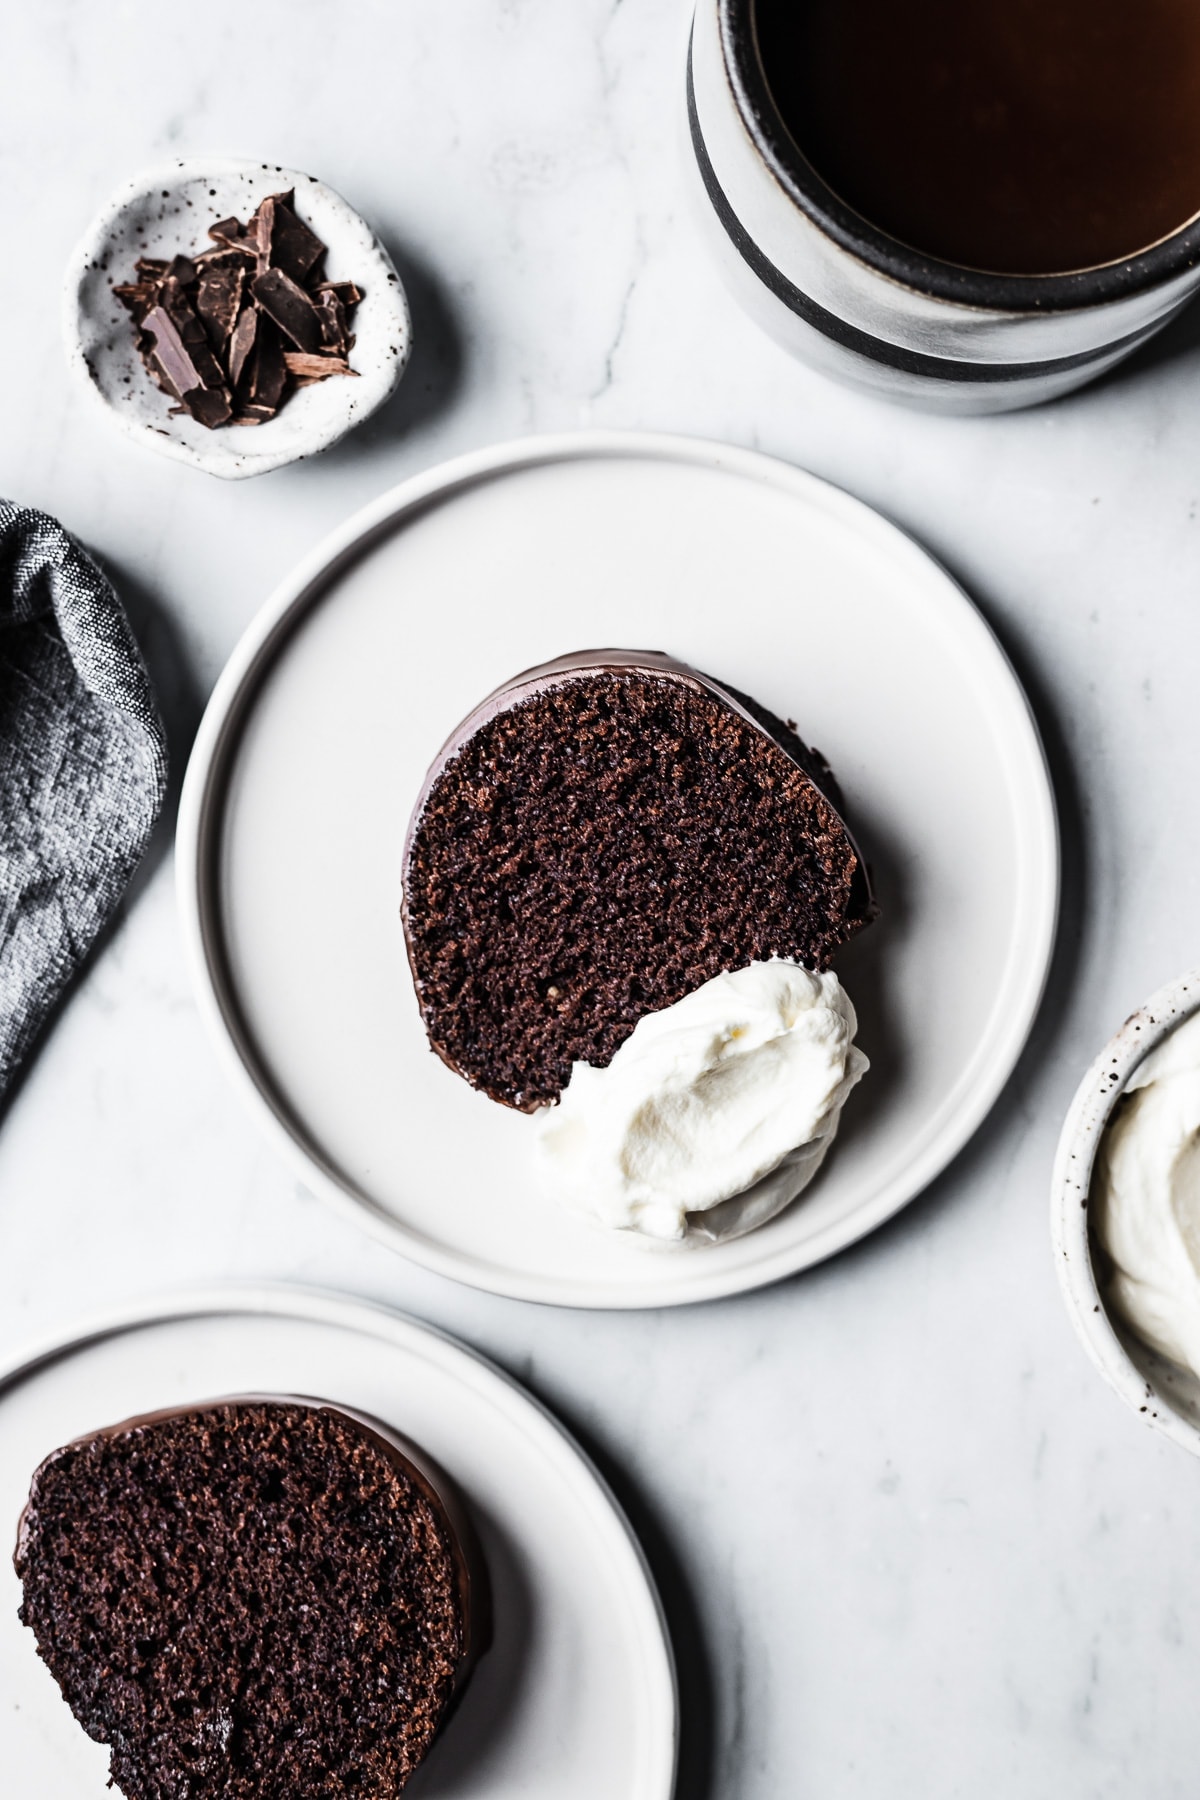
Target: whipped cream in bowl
x=1126 y=1211
x=714 y=1114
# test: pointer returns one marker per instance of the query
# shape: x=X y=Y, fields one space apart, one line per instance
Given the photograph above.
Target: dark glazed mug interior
x=927 y=274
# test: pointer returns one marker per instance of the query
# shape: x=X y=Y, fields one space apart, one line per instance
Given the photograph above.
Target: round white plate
x=317 y=738
x=579 y=1642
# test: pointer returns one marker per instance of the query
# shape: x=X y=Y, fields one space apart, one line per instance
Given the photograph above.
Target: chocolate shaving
x=242 y=342
x=214 y=329
x=308 y=368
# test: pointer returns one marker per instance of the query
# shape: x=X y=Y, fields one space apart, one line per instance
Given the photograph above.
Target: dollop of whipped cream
x=714 y=1113
x=1145 y=1198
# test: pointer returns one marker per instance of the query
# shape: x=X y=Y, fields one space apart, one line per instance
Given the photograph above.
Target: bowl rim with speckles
x=1131 y=1369
x=306 y=425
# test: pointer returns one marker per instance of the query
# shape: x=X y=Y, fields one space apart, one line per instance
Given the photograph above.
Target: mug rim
x=899 y=262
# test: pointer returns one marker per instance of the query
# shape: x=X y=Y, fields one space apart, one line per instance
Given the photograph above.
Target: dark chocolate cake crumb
x=598 y=848
x=246 y=1600
x=230 y=332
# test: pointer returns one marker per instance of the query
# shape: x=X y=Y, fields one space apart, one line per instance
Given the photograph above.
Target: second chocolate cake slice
x=254 y=1597
x=601 y=836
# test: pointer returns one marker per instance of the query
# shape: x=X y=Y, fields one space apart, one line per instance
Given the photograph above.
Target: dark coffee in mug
x=1022 y=137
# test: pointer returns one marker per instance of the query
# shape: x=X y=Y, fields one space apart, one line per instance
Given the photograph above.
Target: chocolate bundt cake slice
x=601 y=836
x=255 y=1597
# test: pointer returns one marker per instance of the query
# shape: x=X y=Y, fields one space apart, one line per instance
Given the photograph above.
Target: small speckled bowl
x=1166 y=1397
x=169 y=210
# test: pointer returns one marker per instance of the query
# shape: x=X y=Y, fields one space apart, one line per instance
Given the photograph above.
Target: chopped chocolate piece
x=181 y=269
x=290 y=307
x=242 y=342
x=209 y=406
x=176 y=303
x=292 y=246
x=137 y=297
x=179 y=373
x=150 y=265
x=308 y=368
x=258 y=237
x=170 y=354
x=218 y=297
x=218 y=253
x=145 y=347
x=347 y=293
x=231 y=234
x=331 y=315
x=268 y=371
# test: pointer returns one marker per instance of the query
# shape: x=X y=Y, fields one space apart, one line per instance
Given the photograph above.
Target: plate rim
x=215 y=744
x=372 y=1318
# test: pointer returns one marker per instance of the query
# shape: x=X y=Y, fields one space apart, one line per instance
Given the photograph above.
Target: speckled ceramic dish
x=1167 y=1397
x=168 y=210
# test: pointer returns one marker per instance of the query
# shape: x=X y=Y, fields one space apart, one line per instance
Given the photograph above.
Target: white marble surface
x=909 y=1543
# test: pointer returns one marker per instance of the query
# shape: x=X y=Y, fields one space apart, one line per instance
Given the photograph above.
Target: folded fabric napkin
x=83 y=767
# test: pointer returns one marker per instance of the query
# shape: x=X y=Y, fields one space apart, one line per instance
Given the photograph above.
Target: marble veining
x=908 y=1541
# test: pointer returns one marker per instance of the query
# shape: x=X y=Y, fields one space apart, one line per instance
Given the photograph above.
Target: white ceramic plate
x=1164 y=1396
x=576 y=1695
x=169 y=209
x=319 y=733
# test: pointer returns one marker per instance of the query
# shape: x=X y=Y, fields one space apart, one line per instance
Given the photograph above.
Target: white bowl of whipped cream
x=1125 y=1212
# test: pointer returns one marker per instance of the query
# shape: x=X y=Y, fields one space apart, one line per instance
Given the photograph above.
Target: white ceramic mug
x=864 y=307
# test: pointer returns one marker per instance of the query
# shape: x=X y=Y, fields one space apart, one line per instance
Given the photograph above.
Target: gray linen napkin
x=83 y=767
